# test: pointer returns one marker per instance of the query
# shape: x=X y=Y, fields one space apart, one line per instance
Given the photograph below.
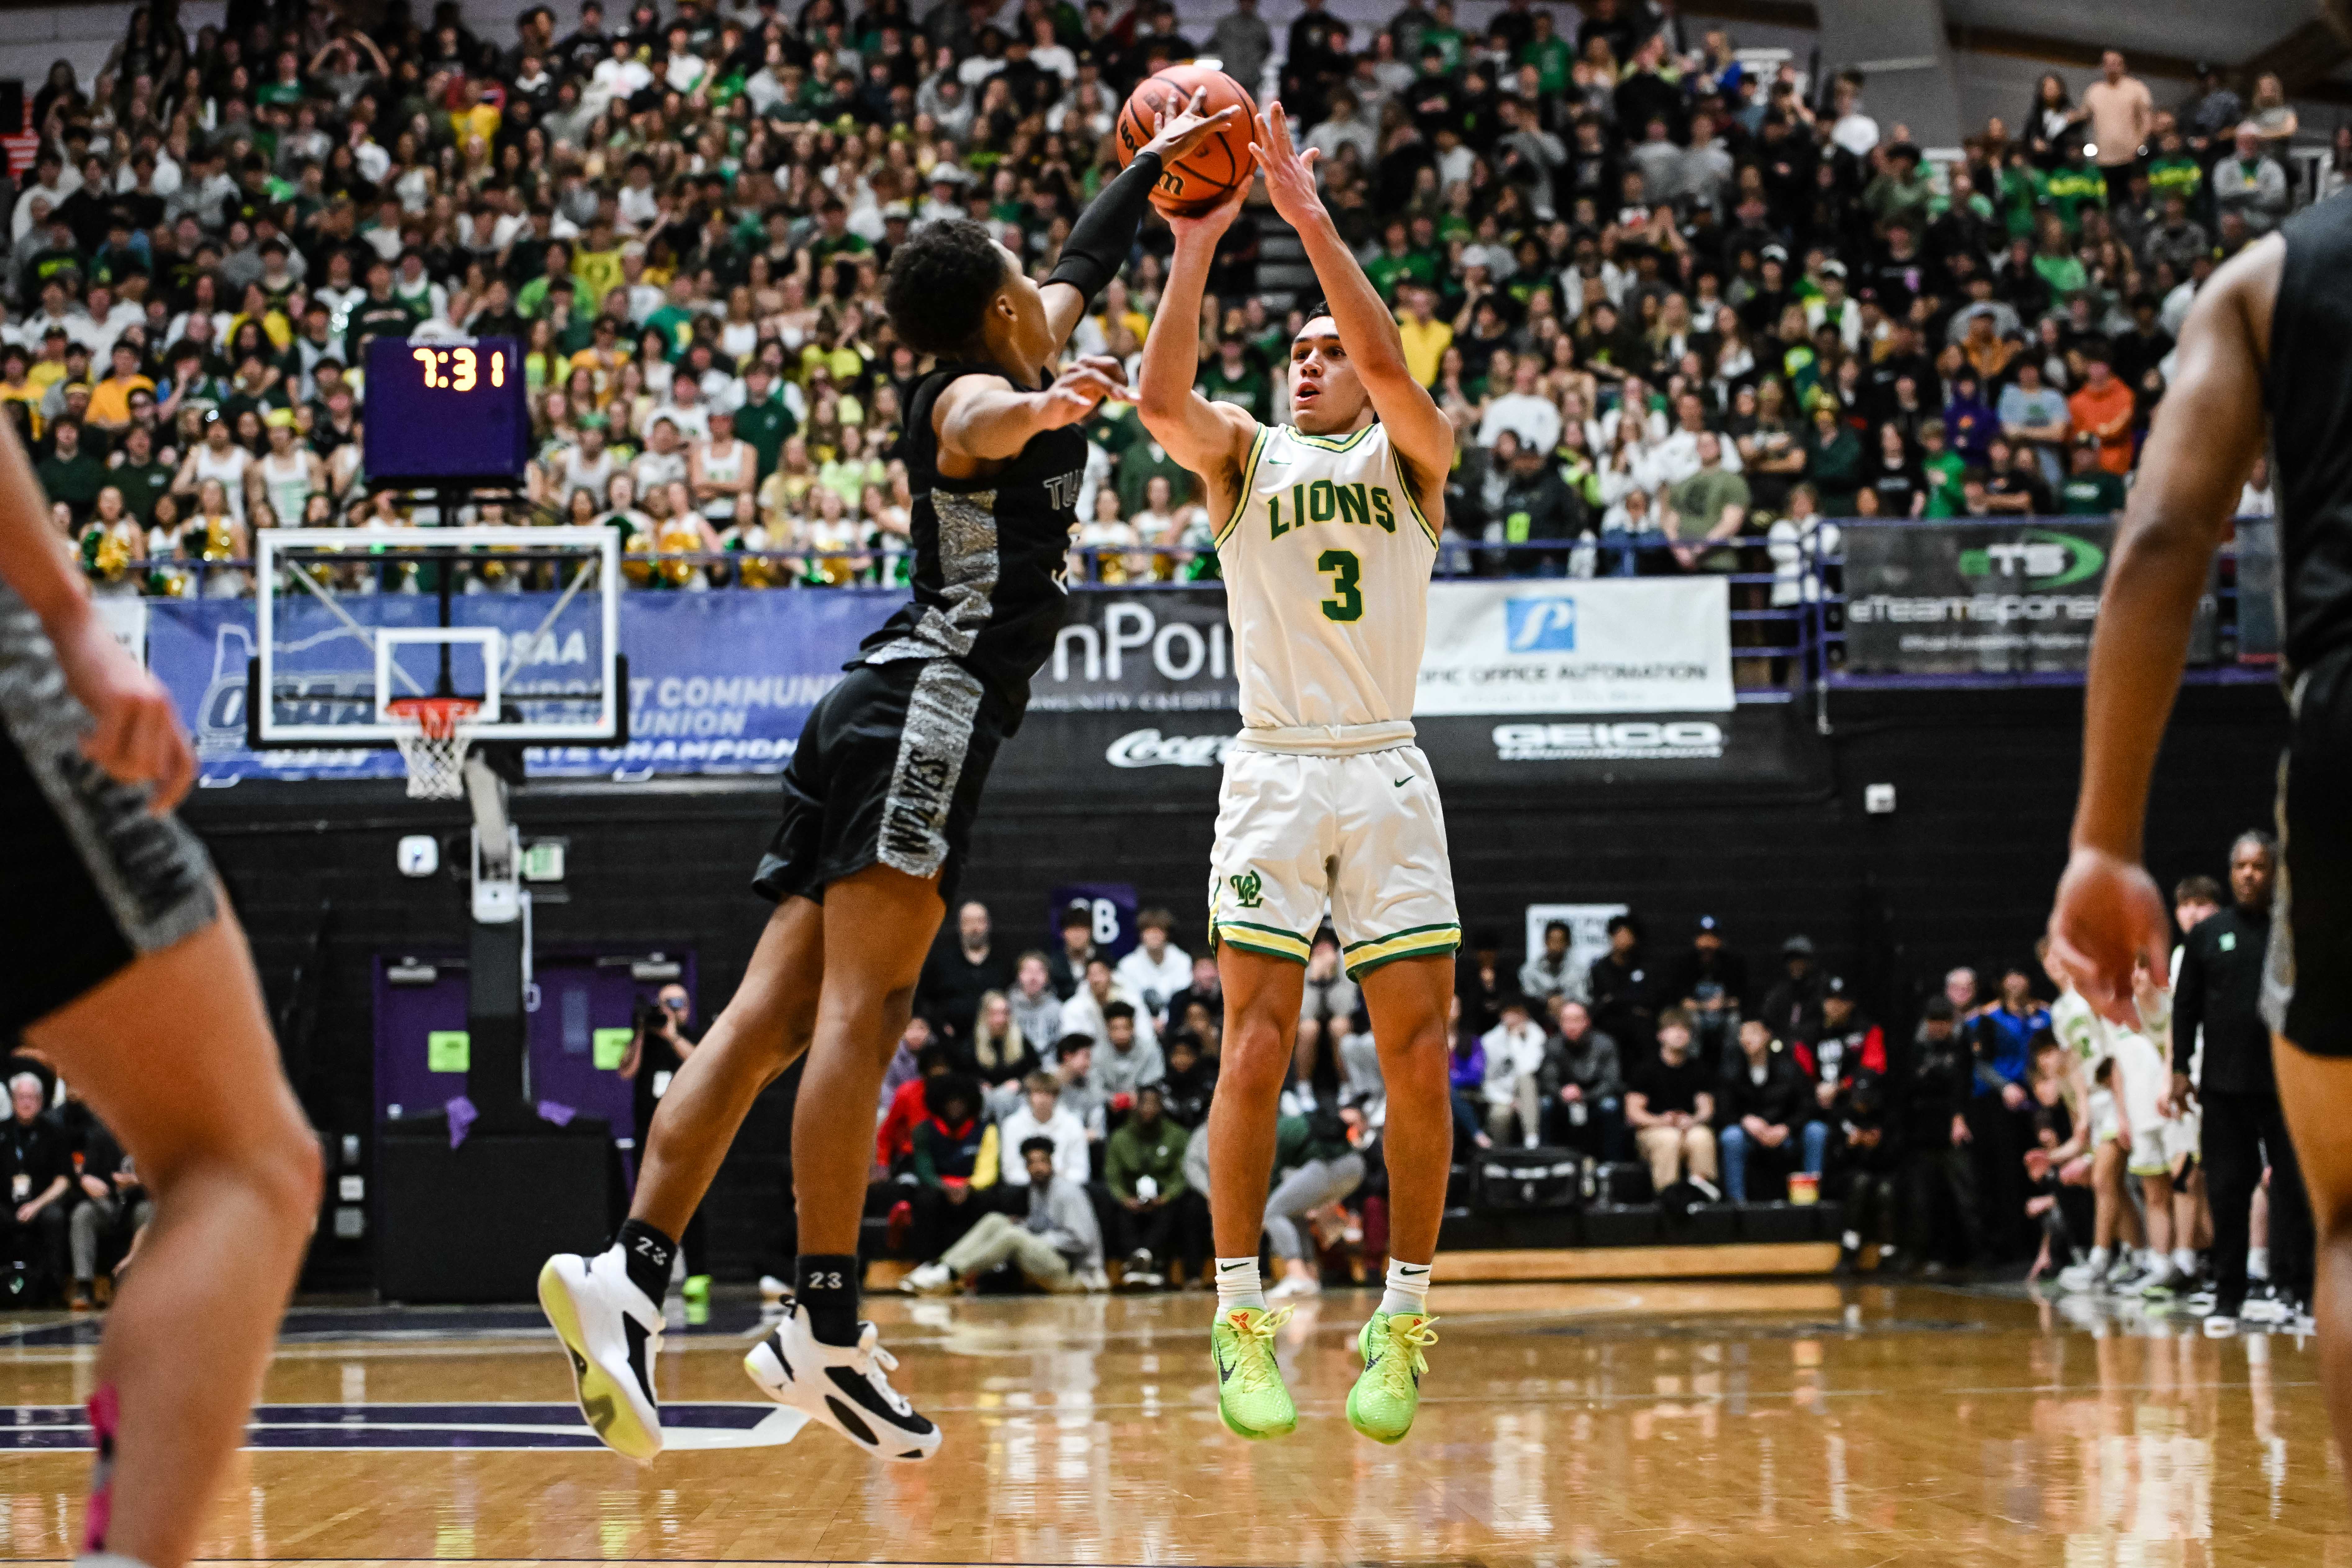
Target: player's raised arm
x=1104 y=233
x=1422 y=435
x=136 y=738
x=980 y=417
x=1209 y=439
x=2209 y=430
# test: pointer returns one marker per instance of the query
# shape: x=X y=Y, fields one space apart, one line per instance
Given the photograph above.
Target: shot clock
x=447 y=412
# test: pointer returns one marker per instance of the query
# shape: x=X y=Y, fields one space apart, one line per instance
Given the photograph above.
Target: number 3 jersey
x=1326 y=561
x=1326 y=804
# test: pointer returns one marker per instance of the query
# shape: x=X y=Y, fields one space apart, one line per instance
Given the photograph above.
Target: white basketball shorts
x=1363 y=835
x=2141 y=1076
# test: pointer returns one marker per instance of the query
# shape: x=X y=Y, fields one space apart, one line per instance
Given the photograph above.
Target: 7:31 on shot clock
x=445 y=411
x=461 y=369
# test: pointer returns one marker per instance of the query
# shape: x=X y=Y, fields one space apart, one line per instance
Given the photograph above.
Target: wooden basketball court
x=1681 y=1422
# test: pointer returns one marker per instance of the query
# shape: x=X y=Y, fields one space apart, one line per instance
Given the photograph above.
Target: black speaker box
x=1776 y=1222
x=1708 y=1225
x=473 y=1224
x=1621 y=1224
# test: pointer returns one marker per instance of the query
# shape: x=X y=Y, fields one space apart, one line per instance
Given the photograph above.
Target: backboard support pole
x=500 y=943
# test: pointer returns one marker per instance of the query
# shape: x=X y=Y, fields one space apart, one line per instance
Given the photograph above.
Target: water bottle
x=1581 y=557
x=1576 y=1113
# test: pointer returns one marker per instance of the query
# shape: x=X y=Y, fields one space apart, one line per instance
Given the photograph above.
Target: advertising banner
x=1180 y=758
x=1659 y=644
x=1587 y=936
x=1759 y=745
x=1982 y=598
x=1542 y=681
x=1145 y=651
x=718 y=682
x=2260 y=635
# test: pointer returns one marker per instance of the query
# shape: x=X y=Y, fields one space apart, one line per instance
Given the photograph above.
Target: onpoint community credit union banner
x=718 y=682
x=1979 y=598
x=1578 y=646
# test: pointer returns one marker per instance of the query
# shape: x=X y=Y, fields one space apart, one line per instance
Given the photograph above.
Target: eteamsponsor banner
x=1552 y=645
x=1979 y=598
x=718 y=682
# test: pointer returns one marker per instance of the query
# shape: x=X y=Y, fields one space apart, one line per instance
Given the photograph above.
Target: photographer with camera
x=664 y=1037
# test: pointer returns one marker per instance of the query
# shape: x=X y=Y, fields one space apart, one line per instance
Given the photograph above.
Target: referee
x=2221 y=990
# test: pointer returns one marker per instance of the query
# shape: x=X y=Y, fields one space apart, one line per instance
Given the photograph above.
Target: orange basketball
x=1196 y=183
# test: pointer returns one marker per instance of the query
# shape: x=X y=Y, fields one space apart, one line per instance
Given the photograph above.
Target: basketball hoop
x=434 y=749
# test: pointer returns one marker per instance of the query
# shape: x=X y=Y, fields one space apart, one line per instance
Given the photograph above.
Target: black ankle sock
x=827 y=1289
x=648 y=1254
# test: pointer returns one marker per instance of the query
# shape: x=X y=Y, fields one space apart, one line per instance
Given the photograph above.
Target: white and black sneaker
x=2267 y=1305
x=611 y=1332
x=842 y=1386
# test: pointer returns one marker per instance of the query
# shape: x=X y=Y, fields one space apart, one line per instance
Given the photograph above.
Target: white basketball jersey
x=1327 y=560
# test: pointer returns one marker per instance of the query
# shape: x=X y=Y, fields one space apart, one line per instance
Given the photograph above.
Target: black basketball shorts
x=89 y=879
x=2308 y=981
x=887 y=772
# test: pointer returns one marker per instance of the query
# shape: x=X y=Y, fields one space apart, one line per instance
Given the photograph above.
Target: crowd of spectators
x=1045 y=1107
x=76 y=1204
x=1062 y=1092
x=1680 y=309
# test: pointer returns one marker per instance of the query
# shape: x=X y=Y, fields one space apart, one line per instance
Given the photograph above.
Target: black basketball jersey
x=2307 y=388
x=989 y=552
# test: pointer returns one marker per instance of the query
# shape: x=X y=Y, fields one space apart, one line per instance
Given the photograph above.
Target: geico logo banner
x=1634 y=740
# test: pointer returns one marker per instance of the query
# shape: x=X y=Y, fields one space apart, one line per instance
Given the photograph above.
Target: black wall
x=1962 y=872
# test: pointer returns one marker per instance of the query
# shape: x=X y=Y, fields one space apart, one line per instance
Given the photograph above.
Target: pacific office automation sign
x=1976 y=598
x=1627 y=646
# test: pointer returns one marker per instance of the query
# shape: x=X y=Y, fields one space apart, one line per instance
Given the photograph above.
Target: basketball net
x=434 y=750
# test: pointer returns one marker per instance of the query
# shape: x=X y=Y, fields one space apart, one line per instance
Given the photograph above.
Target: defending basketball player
x=1327 y=532
x=120 y=962
x=2262 y=355
x=879 y=800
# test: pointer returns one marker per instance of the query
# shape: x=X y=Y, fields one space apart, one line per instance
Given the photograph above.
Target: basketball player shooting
x=1327 y=536
x=2261 y=354
x=120 y=962
x=879 y=800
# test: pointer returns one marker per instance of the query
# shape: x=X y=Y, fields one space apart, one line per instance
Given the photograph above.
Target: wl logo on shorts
x=1247 y=888
x=1541 y=625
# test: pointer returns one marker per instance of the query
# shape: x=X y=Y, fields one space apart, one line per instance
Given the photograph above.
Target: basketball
x=1196 y=183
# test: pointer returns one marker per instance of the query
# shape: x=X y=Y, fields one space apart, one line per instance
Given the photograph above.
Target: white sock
x=2258 y=1263
x=1407 y=1288
x=2150 y=1259
x=2100 y=1258
x=1238 y=1285
x=2184 y=1262
x=107 y=1560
